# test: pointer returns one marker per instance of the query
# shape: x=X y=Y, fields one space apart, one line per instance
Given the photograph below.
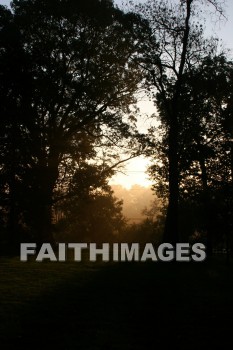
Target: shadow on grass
x=130 y=306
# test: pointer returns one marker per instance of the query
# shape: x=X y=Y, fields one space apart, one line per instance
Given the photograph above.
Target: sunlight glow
x=134 y=173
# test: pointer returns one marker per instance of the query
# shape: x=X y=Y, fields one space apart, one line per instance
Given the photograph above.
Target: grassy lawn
x=115 y=306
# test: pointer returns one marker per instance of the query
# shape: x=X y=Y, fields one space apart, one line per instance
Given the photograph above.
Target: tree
x=173 y=44
x=205 y=144
x=90 y=212
x=78 y=79
x=206 y=171
x=12 y=143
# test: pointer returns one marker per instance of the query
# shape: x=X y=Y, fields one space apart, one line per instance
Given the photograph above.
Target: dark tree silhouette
x=89 y=211
x=77 y=78
x=173 y=45
x=14 y=155
x=205 y=146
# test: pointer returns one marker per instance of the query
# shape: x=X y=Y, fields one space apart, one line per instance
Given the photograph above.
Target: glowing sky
x=134 y=169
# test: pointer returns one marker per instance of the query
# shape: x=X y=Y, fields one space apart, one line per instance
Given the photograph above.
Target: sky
x=135 y=169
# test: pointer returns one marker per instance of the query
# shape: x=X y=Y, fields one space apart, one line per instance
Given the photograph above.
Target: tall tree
x=204 y=148
x=172 y=45
x=205 y=151
x=79 y=78
x=12 y=143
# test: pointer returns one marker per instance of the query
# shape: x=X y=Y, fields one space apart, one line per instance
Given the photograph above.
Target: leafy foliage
x=68 y=78
x=90 y=212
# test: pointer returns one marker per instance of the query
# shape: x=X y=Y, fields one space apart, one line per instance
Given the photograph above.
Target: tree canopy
x=73 y=80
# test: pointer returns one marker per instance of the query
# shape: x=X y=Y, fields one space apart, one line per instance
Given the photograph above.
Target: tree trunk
x=171 y=233
x=43 y=223
x=230 y=233
x=43 y=202
x=12 y=221
x=13 y=238
x=206 y=202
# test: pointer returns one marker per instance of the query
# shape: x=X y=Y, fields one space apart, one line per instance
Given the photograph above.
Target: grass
x=114 y=306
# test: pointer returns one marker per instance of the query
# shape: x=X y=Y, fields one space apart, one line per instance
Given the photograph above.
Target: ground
x=115 y=306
